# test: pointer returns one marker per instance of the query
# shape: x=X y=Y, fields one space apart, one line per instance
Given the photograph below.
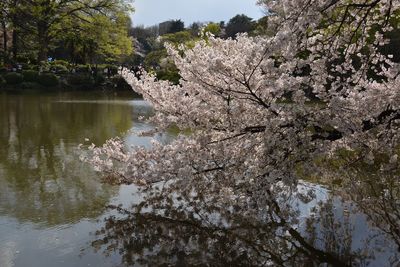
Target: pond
x=51 y=204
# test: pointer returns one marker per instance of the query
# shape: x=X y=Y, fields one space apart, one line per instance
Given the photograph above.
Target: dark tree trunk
x=5 y=40
x=43 y=50
x=15 y=22
x=43 y=41
x=15 y=44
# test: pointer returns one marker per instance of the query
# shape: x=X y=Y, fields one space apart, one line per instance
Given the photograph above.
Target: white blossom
x=252 y=123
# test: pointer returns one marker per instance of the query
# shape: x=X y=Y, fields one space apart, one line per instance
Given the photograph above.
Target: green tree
x=238 y=24
x=104 y=39
x=50 y=17
x=213 y=28
x=177 y=26
x=195 y=28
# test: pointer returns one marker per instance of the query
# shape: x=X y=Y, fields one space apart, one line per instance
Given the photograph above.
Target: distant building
x=165 y=27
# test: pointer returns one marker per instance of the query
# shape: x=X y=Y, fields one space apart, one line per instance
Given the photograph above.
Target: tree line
x=78 y=31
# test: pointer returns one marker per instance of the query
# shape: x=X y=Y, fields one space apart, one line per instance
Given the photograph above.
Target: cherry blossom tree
x=313 y=99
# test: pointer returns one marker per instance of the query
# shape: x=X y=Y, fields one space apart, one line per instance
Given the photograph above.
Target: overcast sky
x=150 y=12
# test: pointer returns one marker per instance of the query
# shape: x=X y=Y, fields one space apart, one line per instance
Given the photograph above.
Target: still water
x=50 y=202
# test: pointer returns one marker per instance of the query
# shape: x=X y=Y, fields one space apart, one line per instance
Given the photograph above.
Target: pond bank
x=62 y=76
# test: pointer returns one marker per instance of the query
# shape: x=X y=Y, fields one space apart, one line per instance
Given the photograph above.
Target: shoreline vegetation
x=59 y=75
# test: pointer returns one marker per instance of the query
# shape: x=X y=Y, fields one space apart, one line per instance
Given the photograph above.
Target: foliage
x=13 y=78
x=23 y=59
x=82 y=69
x=108 y=38
x=48 y=80
x=195 y=28
x=153 y=59
x=142 y=34
x=103 y=40
x=213 y=28
x=59 y=62
x=145 y=37
x=239 y=24
x=177 y=26
x=82 y=79
x=120 y=83
x=30 y=75
x=177 y=38
x=112 y=69
x=169 y=74
x=31 y=86
x=34 y=67
x=75 y=30
x=261 y=27
x=99 y=79
x=171 y=26
x=60 y=69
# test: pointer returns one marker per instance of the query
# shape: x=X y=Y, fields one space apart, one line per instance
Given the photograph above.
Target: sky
x=151 y=12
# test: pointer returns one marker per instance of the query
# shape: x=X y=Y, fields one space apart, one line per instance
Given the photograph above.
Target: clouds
x=150 y=12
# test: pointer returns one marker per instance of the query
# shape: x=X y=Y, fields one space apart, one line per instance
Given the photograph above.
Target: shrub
x=30 y=86
x=34 y=67
x=24 y=66
x=23 y=59
x=44 y=66
x=113 y=69
x=82 y=68
x=99 y=78
x=13 y=78
x=60 y=62
x=61 y=69
x=48 y=80
x=30 y=75
x=82 y=80
x=120 y=83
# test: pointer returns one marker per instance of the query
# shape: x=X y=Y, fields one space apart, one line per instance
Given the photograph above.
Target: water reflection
x=50 y=202
x=40 y=179
x=377 y=195
x=329 y=230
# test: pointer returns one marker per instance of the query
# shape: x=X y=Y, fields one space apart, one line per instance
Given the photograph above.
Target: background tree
x=176 y=26
x=195 y=28
x=239 y=24
x=48 y=16
x=213 y=28
x=104 y=39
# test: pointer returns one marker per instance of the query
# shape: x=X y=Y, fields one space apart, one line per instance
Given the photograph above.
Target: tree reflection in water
x=294 y=231
x=378 y=197
x=41 y=180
